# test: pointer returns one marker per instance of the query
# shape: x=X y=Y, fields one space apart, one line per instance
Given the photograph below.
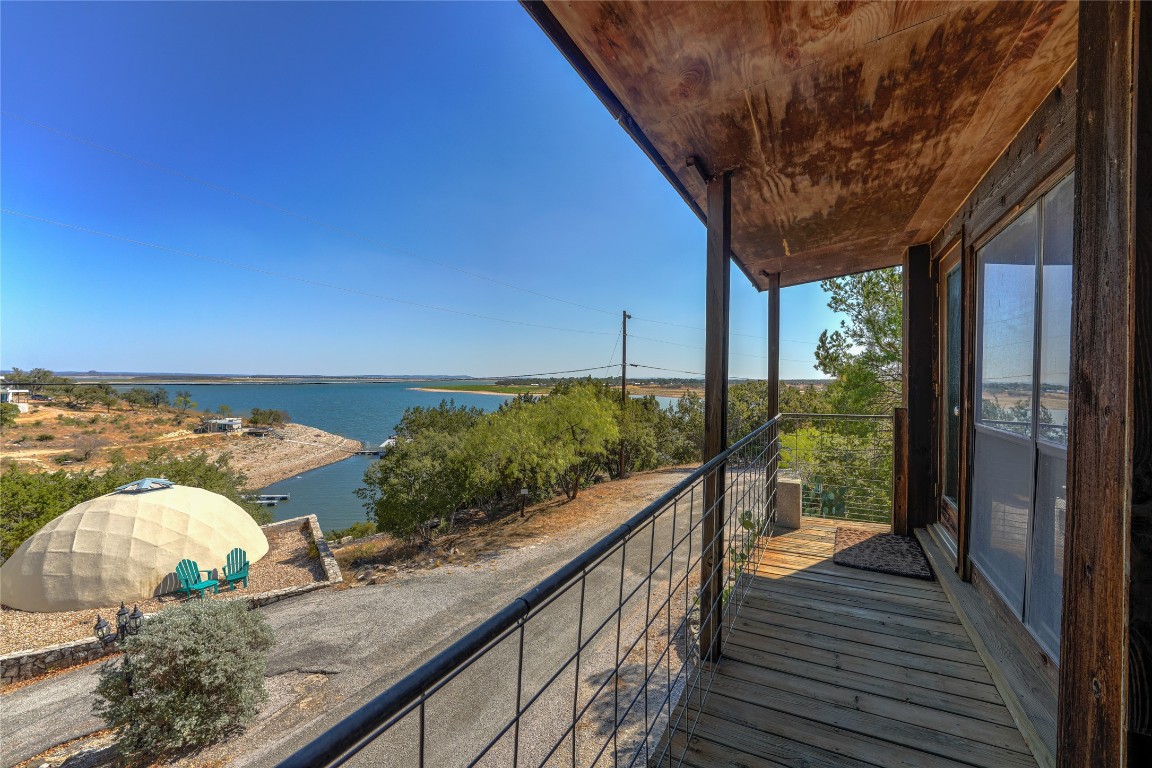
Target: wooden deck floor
x=841 y=668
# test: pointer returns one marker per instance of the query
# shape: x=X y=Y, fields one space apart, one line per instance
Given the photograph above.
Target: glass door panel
x=952 y=318
x=1019 y=504
x=1007 y=326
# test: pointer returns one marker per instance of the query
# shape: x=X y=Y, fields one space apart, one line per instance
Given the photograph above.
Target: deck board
x=833 y=666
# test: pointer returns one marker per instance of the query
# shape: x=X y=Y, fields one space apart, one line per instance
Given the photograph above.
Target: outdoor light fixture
x=122 y=622
x=103 y=631
x=135 y=619
x=523 y=500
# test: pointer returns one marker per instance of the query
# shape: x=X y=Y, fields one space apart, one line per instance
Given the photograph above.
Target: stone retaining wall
x=24 y=665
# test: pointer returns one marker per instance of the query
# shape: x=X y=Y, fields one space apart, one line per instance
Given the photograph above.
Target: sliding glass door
x=1024 y=284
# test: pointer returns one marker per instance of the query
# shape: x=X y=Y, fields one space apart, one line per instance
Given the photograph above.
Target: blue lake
x=366 y=412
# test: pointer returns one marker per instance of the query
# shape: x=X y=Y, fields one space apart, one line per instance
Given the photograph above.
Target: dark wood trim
x=919 y=349
x=774 y=343
x=1110 y=350
x=967 y=408
x=773 y=383
x=718 y=290
x=947 y=511
x=1032 y=655
x=900 y=472
x=1140 y=566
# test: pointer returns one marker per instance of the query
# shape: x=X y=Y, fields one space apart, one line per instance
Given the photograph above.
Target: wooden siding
x=830 y=666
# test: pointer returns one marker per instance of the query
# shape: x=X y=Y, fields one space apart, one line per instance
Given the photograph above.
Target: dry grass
x=287 y=564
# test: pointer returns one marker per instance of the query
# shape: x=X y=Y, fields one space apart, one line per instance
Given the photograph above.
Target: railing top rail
x=361 y=726
x=835 y=416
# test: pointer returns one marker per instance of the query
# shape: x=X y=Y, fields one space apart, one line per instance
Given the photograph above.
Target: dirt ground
x=52 y=437
x=477 y=538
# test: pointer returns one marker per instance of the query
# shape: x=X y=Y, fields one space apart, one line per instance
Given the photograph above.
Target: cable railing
x=605 y=662
x=843 y=462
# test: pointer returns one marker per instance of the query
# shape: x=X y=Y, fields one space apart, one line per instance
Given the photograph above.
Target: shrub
x=44 y=437
x=172 y=691
x=356 y=530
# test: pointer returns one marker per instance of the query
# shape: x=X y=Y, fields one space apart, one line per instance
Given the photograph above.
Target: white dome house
x=125 y=546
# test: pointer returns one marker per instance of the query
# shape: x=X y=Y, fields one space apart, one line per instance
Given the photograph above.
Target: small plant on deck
x=192 y=676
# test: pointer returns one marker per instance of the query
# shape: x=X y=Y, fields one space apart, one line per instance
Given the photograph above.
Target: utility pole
x=624 y=317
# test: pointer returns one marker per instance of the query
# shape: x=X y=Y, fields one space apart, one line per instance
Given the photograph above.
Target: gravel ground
x=287 y=564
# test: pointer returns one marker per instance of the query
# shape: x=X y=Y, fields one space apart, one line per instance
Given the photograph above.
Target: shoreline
x=268 y=460
x=461 y=391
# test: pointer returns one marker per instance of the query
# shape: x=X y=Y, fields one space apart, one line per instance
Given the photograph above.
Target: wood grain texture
x=1031 y=702
x=856 y=128
x=1140 y=569
x=718 y=290
x=821 y=669
x=1094 y=652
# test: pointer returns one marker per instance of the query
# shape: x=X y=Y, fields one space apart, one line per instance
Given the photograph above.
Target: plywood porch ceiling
x=853 y=129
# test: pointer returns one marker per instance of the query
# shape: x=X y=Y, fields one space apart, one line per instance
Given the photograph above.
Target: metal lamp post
x=121 y=622
x=103 y=631
x=523 y=500
x=135 y=619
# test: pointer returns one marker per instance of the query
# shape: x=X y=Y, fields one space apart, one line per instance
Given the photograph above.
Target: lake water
x=365 y=412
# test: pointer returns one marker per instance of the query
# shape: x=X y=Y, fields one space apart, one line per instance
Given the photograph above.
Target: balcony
x=704 y=632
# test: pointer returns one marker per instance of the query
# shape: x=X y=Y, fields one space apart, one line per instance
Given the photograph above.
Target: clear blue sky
x=396 y=133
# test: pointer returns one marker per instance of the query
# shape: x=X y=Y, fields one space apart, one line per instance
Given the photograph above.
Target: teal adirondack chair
x=236 y=569
x=189 y=574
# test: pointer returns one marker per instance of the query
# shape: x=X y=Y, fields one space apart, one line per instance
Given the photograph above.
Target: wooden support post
x=919 y=350
x=1106 y=642
x=773 y=387
x=900 y=472
x=715 y=411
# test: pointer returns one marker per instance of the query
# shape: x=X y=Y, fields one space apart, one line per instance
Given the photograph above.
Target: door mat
x=881 y=552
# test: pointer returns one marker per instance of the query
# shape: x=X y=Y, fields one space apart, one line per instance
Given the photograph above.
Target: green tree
x=137 y=397
x=578 y=427
x=416 y=487
x=157 y=396
x=35 y=380
x=184 y=401
x=446 y=417
x=8 y=414
x=224 y=410
x=268 y=416
x=171 y=691
x=864 y=354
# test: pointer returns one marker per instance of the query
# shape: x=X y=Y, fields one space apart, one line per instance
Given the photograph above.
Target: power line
x=730 y=333
x=741 y=354
x=304 y=280
x=295 y=214
x=545 y=373
x=673 y=370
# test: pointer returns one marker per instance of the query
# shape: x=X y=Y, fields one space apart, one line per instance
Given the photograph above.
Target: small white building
x=18 y=397
x=231 y=424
